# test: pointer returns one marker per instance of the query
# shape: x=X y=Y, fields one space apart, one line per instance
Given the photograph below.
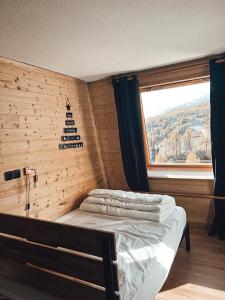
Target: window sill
x=204 y=175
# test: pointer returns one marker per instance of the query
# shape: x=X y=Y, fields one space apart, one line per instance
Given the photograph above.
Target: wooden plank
x=7 y=135
x=54 y=163
x=29 y=146
x=23 y=122
x=57 y=235
x=100 y=101
x=46 y=178
x=56 y=260
x=38 y=71
x=37 y=110
x=8 y=161
x=175 y=73
x=53 y=193
x=102 y=97
x=18 y=78
x=15 y=96
x=81 y=168
x=51 y=283
x=198 y=209
x=185 y=186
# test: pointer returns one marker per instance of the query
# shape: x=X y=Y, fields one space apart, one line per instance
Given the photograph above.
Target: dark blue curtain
x=128 y=106
x=217 y=102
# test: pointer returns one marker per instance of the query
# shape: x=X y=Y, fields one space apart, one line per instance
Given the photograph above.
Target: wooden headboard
x=67 y=261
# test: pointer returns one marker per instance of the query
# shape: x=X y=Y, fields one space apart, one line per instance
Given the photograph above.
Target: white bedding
x=145 y=249
x=134 y=197
x=126 y=212
x=128 y=204
x=151 y=207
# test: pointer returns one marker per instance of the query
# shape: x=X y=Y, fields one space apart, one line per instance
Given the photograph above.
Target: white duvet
x=134 y=197
x=125 y=212
x=145 y=250
x=128 y=204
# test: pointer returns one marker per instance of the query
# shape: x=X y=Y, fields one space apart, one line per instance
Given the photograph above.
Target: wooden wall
x=103 y=104
x=32 y=115
x=194 y=195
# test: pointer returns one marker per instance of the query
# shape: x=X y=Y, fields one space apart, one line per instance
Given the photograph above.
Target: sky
x=155 y=102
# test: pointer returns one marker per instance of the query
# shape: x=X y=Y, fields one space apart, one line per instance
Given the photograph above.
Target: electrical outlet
x=10 y=175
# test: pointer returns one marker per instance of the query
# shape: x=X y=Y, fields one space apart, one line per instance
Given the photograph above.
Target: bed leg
x=187 y=238
x=108 y=269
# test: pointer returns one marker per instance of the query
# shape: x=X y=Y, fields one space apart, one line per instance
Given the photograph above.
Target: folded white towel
x=150 y=199
x=128 y=204
x=130 y=213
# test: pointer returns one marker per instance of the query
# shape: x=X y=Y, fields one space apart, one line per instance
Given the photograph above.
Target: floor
x=200 y=274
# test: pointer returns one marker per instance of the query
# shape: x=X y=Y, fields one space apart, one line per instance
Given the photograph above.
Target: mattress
x=145 y=249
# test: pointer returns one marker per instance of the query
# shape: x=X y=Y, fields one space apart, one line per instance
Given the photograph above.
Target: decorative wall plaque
x=70 y=130
x=67 y=130
x=69 y=114
x=69 y=122
x=70 y=137
x=70 y=145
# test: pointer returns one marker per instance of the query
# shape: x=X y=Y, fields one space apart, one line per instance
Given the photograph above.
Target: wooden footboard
x=69 y=262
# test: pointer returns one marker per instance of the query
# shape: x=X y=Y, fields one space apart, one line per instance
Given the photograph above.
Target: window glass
x=177 y=122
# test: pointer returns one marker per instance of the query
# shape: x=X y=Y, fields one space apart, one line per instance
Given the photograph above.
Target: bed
x=88 y=256
x=145 y=250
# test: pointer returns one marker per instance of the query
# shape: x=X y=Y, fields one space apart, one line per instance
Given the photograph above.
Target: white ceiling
x=91 y=39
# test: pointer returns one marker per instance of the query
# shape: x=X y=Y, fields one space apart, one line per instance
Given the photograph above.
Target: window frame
x=165 y=167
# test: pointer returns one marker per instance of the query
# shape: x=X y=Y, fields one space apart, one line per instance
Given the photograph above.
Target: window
x=177 y=125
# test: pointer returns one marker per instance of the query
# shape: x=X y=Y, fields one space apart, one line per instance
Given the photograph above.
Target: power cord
x=27 y=207
x=29 y=172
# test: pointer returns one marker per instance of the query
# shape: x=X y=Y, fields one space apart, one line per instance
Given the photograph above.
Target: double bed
x=145 y=250
x=138 y=254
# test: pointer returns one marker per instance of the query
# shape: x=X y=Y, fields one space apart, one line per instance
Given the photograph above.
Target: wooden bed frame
x=69 y=262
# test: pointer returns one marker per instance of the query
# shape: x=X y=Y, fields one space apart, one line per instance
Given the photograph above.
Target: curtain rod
x=220 y=58
x=124 y=75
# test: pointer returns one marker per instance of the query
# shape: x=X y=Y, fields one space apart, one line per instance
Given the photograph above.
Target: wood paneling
x=102 y=97
x=190 y=187
x=192 y=194
x=199 y=209
x=32 y=115
x=181 y=72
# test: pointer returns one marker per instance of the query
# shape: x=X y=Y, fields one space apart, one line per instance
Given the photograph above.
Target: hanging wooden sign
x=70 y=145
x=69 y=122
x=70 y=130
x=70 y=137
x=66 y=130
x=69 y=114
